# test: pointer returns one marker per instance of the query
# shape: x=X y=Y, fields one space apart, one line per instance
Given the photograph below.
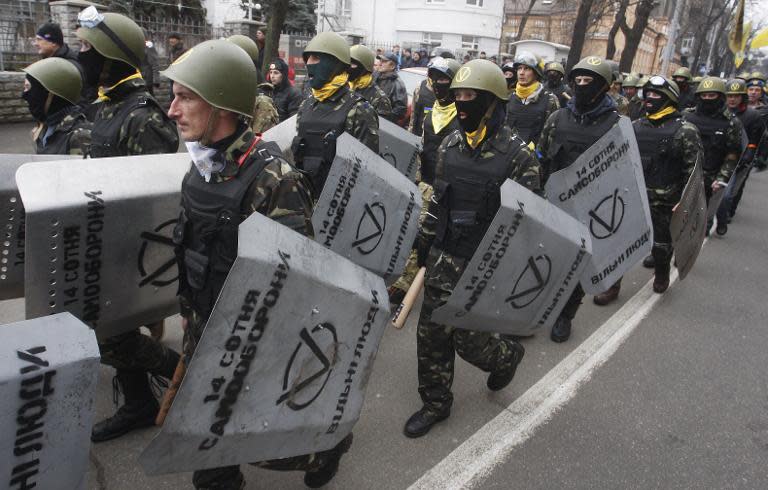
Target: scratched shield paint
x=99 y=239
x=689 y=223
x=400 y=148
x=48 y=373
x=605 y=190
x=283 y=364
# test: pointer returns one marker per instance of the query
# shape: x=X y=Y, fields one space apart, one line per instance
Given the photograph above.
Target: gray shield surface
x=99 y=239
x=48 y=373
x=283 y=363
x=524 y=270
x=283 y=134
x=400 y=148
x=367 y=211
x=605 y=189
x=12 y=216
x=715 y=200
x=689 y=223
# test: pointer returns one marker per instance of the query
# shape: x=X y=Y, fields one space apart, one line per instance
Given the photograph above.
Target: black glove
x=422 y=252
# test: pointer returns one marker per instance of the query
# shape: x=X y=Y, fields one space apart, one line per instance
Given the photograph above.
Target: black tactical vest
x=58 y=142
x=528 y=120
x=314 y=148
x=572 y=138
x=422 y=107
x=662 y=165
x=753 y=124
x=469 y=196
x=105 y=136
x=432 y=142
x=206 y=234
x=713 y=138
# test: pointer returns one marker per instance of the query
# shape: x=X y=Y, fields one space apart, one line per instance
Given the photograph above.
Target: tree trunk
x=635 y=35
x=523 y=21
x=278 y=12
x=619 y=20
x=579 y=34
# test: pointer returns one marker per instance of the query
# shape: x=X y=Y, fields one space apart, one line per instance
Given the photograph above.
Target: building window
x=475 y=3
x=432 y=37
x=469 y=42
x=346 y=8
x=539 y=23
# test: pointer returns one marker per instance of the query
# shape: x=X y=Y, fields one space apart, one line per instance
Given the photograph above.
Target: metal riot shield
x=367 y=211
x=400 y=148
x=283 y=134
x=48 y=374
x=12 y=216
x=99 y=239
x=524 y=270
x=283 y=363
x=689 y=222
x=715 y=200
x=605 y=189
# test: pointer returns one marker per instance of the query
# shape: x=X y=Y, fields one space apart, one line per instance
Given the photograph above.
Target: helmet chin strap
x=205 y=139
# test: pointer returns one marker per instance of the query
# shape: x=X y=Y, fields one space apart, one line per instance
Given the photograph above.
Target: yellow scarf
x=331 y=87
x=442 y=115
x=664 y=112
x=364 y=81
x=475 y=138
x=525 y=92
x=104 y=91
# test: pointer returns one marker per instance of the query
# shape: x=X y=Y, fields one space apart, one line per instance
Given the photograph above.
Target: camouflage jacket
x=378 y=99
x=362 y=120
x=524 y=169
x=144 y=130
x=733 y=146
x=636 y=108
x=622 y=104
x=423 y=100
x=686 y=150
x=66 y=133
x=264 y=114
x=280 y=192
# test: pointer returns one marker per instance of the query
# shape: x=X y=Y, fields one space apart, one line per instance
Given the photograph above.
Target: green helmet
x=555 y=66
x=531 y=61
x=743 y=75
x=363 y=55
x=329 y=43
x=482 y=75
x=663 y=85
x=711 y=84
x=595 y=65
x=447 y=66
x=247 y=44
x=115 y=37
x=756 y=75
x=200 y=69
x=630 y=81
x=682 y=72
x=696 y=80
x=58 y=76
x=736 y=86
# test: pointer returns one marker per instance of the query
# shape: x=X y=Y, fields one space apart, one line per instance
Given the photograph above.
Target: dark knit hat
x=51 y=32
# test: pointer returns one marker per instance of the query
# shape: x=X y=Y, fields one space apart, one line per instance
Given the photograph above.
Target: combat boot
x=648 y=262
x=661 y=278
x=608 y=296
x=499 y=380
x=138 y=411
x=422 y=421
x=561 y=330
x=323 y=475
x=722 y=227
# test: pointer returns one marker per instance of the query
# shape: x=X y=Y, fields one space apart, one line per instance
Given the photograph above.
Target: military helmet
x=630 y=81
x=329 y=43
x=200 y=69
x=363 y=55
x=683 y=72
x=662 y=85
x=58 y=76
x=508 y=66
x=756 y=75
x=744 y=75
x=114 y=36
x=482 y=75
x=711 y=84
x=696 y=80
x=247 y=44
x=736 y=86
x=447 y=66
x=531 y=61
x=555 y=66
x=595 y=65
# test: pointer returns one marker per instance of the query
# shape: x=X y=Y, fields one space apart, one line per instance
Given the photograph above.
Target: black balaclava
x=683 y=84
x=441 y=87
x=587 y=97
x=116 y=71
x=710 y=107
x=553 y=79
x=652 y=106
x=323 y=72
x=36 y=98
x=92 y=63
x=475 y=110
x=356 y=72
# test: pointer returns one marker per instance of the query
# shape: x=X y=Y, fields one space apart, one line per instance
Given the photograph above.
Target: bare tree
x=278 y=13
x=523 y=21
x=619 y=20
x=579 y=33
x=634 y=35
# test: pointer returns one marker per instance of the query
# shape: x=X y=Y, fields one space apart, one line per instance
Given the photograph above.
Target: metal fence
x=19 y=21
x=191 y=31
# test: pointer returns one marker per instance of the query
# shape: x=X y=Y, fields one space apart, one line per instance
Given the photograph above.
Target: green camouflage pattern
x=378 y=99
x=72 y=135
x=733 y=145
x=437 y=344
x=411 y=267
x=636 y=108
x=622 y=104
x=265 y=114
x=146 y=130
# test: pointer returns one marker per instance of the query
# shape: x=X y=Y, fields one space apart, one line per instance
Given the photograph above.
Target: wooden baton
x=402 y=311
x=170 y=393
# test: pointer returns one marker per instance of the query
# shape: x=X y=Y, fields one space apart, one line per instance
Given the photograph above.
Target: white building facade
x=458 y=25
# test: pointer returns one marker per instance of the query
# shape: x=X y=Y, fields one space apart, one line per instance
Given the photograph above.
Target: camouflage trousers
x=134 y=351
x=411 y=267
x=661 y=218
x=437 y=345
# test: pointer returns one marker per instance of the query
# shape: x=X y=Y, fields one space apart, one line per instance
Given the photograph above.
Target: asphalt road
x=681 y=403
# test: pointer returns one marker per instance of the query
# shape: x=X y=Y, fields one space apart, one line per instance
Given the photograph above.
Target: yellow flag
x=737 y=39
x=738 y=59
x=760 y=40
